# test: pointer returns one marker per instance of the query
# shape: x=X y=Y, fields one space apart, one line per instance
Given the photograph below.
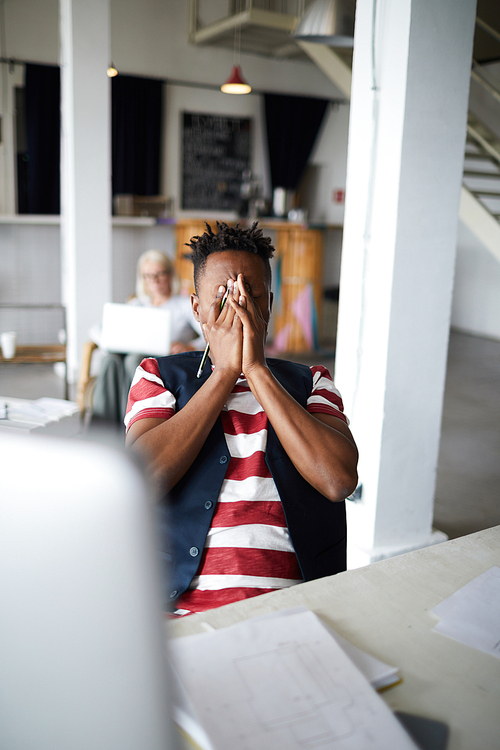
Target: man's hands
x=223 y=331
x=237 y=334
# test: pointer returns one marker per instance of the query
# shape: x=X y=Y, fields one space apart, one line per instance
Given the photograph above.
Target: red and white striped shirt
x=248 y=550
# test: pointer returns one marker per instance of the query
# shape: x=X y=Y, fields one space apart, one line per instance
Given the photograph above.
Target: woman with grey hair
x=155 y=287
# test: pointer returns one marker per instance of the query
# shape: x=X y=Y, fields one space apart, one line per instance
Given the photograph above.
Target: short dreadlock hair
x=229 y=238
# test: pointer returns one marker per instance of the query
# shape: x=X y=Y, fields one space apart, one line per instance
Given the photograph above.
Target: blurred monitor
x=82 y=649
x=136 y=329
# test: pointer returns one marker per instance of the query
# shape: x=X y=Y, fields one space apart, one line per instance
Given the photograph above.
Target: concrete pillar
x=406 y=143
x=85 y=167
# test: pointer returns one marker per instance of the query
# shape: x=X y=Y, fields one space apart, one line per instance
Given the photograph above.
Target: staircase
x=480 y=200
x=482 y=165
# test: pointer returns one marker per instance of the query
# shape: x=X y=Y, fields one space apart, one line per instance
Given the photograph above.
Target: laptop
x=133 y=329
x=82 y=640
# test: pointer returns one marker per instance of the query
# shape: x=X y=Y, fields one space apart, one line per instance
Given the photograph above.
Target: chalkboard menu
x=216 y=150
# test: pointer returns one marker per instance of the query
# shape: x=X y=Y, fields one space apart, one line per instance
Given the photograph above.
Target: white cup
x=8 y=341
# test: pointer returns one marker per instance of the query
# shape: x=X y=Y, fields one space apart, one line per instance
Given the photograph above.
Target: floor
x=468 y=476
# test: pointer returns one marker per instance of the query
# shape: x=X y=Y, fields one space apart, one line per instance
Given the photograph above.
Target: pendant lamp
x=327 y=22
x=236 y=84
x=112 y=71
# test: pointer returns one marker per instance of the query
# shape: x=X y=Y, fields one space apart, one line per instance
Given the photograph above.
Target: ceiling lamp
x=112 y=71
x=236 y=84
x=327 y=22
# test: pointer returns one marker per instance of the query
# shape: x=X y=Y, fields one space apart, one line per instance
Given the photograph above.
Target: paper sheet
x=377 y=673
x=282 y=682
x=41 y=411
x=472 y=614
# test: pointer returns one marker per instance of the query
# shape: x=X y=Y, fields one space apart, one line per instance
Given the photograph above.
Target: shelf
x=37 y=355
x=133 y=221
x=52 y=220
x=48 y=219
x=269 y=222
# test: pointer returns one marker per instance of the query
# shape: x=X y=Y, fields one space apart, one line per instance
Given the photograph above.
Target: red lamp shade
x=236 y=84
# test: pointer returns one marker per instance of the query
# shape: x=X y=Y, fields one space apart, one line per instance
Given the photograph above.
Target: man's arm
x=169 y=446
x=320 y=446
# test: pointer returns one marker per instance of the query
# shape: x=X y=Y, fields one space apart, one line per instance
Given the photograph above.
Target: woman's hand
x=224 y=332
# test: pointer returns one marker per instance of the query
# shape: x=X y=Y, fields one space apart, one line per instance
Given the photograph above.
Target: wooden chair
x=85 y=385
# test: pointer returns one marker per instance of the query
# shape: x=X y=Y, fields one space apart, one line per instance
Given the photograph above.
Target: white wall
x=476 y=293
x=329 y=155
x=32 y=30
x=30 y=274
x=181 y=99
x=29 y=263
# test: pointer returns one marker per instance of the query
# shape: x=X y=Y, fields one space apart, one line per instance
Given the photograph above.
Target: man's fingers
x=215 y=310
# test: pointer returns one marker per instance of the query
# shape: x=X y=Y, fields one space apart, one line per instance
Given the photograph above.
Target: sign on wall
x=216 y=151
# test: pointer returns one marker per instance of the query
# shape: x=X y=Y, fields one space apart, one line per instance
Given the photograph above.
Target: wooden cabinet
x=299 y=288
x=185 y=229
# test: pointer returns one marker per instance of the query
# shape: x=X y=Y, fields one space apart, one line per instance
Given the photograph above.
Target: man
x=255 y=455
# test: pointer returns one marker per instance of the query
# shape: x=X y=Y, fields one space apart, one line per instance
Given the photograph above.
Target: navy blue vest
x=317 y=526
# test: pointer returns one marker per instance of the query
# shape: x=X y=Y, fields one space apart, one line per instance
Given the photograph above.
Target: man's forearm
x=325 y=455
x=170 y=446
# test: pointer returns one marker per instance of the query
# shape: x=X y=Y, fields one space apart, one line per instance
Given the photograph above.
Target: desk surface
x=384 y=609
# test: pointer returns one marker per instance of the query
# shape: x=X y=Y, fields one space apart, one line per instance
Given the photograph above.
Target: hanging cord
x=237 y=45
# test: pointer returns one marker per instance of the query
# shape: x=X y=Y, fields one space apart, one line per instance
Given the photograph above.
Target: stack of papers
x=50 y=415
x=280 y=682
x=472 y=614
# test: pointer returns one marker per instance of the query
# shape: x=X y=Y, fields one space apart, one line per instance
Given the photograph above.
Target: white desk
x=384 y=609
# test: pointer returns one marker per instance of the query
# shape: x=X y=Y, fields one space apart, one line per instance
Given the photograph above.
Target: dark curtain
x=136 y=106
x=292 y=126
x=41 y=169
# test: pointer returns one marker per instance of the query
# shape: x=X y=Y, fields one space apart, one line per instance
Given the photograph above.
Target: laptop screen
x=134 y=329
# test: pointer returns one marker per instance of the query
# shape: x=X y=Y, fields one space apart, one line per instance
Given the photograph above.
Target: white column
x=406 y=144
x=85 y=167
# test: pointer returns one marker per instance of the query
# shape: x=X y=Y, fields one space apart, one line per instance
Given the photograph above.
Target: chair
x=86 y=382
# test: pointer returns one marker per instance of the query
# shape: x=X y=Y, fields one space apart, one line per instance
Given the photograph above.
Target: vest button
x=208 y=504
x=194 y=551
x=173 y=594
x=223 y=460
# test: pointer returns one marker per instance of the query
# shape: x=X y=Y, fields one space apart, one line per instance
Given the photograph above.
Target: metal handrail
x=486 y=27
x=477 y=76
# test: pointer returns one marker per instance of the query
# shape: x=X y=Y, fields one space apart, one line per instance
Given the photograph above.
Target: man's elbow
x=342 y=486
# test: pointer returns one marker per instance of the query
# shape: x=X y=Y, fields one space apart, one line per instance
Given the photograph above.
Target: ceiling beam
x=331 y=64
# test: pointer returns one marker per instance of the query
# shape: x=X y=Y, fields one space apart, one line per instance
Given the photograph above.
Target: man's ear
x=195 y=305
